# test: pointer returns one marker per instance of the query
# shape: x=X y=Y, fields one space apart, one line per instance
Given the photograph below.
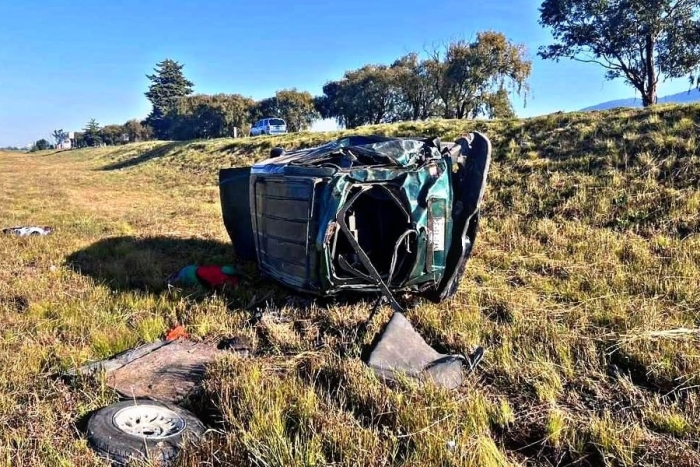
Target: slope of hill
x=679 y=98
x=582 y=288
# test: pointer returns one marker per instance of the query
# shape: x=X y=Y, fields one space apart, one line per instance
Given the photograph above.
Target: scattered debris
x=117 y=361
x=169 y=369
x=141 y=429
x=238 y=344
x=27 y=231
x=397 y=215
x=402 y=351
x=152 y=378
x=176 y=333
x=365 y=213
x=170 y=373
x=212 y=276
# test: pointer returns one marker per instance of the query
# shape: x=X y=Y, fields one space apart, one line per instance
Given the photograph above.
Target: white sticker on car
x=437 y=233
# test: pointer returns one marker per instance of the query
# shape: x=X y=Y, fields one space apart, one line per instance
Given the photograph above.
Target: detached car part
x=361 y=213
x=401 y=351
x=141 y=429
x=166 y=370
x=27 y=231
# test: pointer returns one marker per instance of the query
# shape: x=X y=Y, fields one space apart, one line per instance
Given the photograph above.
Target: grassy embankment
x=583 y=288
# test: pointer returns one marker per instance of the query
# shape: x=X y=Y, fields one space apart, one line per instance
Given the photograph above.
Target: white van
x=269 y=126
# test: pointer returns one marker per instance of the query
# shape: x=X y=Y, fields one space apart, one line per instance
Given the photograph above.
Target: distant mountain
x=680 y=98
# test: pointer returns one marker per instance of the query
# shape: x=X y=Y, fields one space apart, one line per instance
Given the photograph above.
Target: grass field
x=583 y=289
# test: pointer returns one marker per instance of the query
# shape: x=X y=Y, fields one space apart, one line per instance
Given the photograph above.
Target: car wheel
x=141 y=429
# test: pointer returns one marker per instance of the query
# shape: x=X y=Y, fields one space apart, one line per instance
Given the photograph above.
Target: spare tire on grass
x=141 y=429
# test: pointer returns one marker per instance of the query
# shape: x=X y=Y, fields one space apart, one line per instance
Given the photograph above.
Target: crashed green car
x=361 y=213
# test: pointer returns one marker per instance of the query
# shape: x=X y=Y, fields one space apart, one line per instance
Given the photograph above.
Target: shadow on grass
x=130 y=263
x=146 y=156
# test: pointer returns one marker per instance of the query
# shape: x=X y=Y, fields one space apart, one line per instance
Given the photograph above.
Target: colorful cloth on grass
x=210 y=276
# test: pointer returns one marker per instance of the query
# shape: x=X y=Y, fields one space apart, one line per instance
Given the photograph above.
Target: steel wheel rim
x=149 y=421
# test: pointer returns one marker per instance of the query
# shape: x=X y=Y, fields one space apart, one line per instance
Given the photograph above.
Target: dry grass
x=582 y=288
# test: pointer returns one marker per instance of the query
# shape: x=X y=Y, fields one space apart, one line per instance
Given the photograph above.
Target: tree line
x=95 y=135
x=458 y=80
x=639 y=41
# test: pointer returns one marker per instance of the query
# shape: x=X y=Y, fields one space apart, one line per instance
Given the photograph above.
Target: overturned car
x=361 y=213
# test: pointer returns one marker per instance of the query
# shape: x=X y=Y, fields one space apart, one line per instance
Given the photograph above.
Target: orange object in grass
x=176 y=333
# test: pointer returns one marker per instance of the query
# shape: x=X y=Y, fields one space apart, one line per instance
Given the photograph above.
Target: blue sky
x=65 y=62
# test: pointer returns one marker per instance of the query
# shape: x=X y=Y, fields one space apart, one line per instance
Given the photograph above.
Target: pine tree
x=168 y=84
x=91 y=133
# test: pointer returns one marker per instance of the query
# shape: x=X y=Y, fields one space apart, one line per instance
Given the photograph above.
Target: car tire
x=141 y=429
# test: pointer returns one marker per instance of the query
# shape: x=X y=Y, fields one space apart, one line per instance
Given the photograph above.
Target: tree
x=637 y=40
x=417 y=94
x=59 y=136
x=498 y=105
x=203 y=116
x=264 y=108
x=460 y=80
x=137 y=131
x=467 y=75
x=41 y=145
x=329 y=104
x=78 y=140
x=91 y=134
x=112 y=134
x=168 y=85
x=295 y=107
x=367 y=95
